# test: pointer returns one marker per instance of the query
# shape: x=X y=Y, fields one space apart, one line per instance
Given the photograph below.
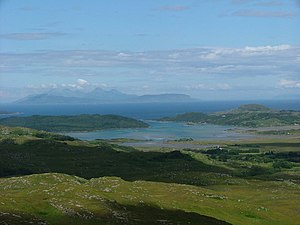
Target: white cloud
x=267 y=48
x=271 y=3
x=81 y=82
x=265 y=13
x=175 y=8
x=211 y=87
x=196 y=87
x=42 y=86
x=31 y=36
x=122 y=54
x=214 y=54
x=279 y=61
x=264 y=50
x=289 y=83
x=242 y=1
x=223 y=86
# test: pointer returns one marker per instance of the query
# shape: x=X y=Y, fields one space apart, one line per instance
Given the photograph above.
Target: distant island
x=98 y=96
x=73 y=123
x=8 y=113
x=250 y=115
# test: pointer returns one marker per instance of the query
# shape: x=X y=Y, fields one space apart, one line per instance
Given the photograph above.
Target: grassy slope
x=63 y=199
x=73 y=123
x=221 y=189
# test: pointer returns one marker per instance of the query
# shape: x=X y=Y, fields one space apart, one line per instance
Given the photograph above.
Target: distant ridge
x=98 y=96
x=250 y=115
x=252 y=108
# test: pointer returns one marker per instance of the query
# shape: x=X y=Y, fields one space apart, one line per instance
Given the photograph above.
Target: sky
x=210 y=50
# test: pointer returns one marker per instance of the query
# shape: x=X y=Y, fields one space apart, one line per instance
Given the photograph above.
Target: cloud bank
x=174 y=8
x=264 y=13
x=289 y=84
x=248 y=71
x=33 y=36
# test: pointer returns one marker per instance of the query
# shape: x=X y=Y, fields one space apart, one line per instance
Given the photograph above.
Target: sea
x=148 y=112
x=143 y=110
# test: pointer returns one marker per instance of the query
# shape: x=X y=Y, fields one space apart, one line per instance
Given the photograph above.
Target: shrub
x=282 y=164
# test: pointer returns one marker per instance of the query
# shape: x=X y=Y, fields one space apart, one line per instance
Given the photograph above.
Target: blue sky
x=217 y=49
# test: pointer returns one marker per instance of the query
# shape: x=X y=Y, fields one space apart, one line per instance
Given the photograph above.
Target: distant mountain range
x=98 y=95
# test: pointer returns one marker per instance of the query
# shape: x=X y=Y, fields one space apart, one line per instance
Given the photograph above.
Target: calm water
x=141 y=110
x=162 y=131
x=147 y=111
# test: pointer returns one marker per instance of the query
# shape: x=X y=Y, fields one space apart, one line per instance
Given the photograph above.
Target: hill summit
x=252 y=108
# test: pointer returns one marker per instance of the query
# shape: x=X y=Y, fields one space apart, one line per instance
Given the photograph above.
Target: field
x=98 y=182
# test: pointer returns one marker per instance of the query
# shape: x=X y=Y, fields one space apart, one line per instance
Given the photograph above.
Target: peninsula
x=250 y=115
x=82 y=122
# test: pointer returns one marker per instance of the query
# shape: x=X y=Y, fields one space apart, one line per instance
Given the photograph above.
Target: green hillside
x=242 y=183
x=73 y=123
x=63 y=199
x=252 y=115
x=24 y=152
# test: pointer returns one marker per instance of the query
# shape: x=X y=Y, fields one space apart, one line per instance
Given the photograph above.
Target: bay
x=158 y=131
x=163 y=131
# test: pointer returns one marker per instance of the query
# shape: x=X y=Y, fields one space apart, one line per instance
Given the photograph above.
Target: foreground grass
x=63 y=199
